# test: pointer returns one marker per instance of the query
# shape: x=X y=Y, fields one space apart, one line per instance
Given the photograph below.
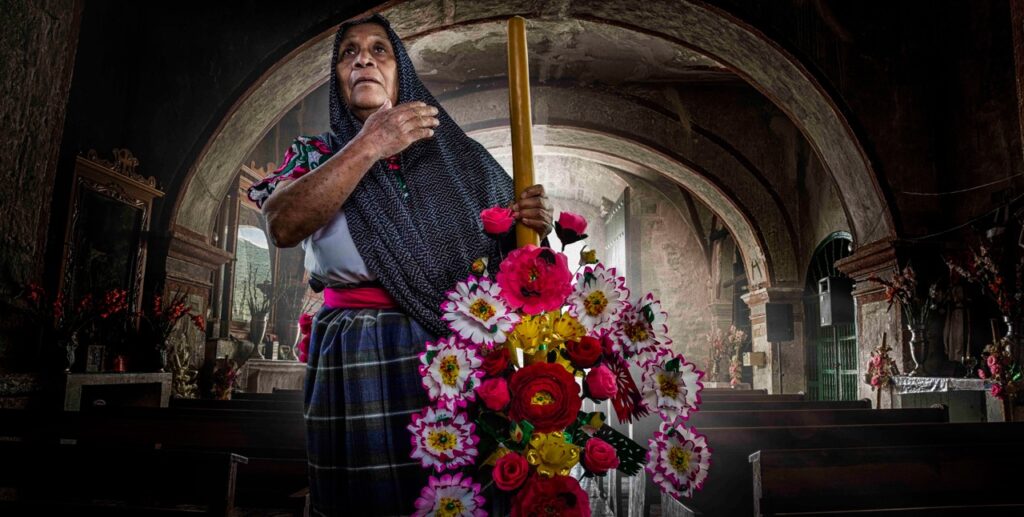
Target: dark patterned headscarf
x=420 y=245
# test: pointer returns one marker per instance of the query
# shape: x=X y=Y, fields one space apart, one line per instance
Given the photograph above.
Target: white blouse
x=331 y=255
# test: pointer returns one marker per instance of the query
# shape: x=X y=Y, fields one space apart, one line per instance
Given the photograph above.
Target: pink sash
x=358 y=298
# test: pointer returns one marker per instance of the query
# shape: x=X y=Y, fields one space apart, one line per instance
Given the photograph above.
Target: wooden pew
x=758 y=405
x=729 y=480
x=795 y=417
x=741 y=396
x=269 y=460
x=86 y=480
x=918 y=478
x=256 y=404
x=761 y=391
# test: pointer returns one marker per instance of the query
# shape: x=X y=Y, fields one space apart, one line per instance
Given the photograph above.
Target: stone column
x=872 y=314
x=785 y=359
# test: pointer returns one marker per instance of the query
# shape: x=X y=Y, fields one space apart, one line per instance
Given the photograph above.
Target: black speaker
x=835 y=300
x=779 y=320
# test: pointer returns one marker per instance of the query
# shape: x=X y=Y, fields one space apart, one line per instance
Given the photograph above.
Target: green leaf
x=431 y=354
x=673 y=365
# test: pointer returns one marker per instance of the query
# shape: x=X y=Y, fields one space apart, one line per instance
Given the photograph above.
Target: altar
x=968 y=400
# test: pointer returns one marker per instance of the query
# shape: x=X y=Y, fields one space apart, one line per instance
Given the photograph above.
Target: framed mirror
x=105 y=243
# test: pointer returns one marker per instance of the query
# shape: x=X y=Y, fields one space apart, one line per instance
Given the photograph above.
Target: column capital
x=774 y=294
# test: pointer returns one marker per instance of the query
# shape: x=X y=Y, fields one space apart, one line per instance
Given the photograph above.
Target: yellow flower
x=479 y=266
x=551 y=454
x=588 y=257
x=566 y=328
x=528 y=335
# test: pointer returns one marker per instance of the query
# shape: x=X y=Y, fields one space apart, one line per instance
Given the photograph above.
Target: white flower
x=597 y=298
x=678 y=460
x=451 y=495
x=475 y=311
x=451 y=372
x=443 y=440
x=642 y=327
x=672 y=388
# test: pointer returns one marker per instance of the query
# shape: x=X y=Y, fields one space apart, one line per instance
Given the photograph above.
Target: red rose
x=559 y=495
x=601 y=383
x=494 y=393
x=496 y=362
x=599 y=457
x=585 y=352
x=546 y=395
x=570 y=227
x=997 y=391
x=497 y=220
x=510 y=471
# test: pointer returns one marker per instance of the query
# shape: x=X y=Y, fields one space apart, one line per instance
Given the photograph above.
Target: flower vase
x=161 y=359
x=918 y=346
x=257 y=330
x=1010 y=340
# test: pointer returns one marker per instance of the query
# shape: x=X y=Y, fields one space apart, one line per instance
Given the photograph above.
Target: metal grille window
x=831 y=350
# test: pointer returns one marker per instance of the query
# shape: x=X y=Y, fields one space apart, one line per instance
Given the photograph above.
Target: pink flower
x=876 y=380
x=600 y=383
x=599 y=457
x=981 y=374
x=570 y=228
x=992 y=361
x=494 y=393
x=305 y=327
x=535 y=279
x=497 y=220
x=997 y=391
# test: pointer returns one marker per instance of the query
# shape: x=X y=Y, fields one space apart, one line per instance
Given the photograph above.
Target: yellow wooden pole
x=521 y=119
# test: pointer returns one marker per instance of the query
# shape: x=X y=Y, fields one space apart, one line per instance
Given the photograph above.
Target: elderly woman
x=387 y=208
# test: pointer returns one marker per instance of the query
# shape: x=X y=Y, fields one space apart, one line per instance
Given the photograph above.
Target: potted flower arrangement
x=880 y=371
x=736 y=340
x=716 y=352
x=161 y=318
x=917 y=310
x=507 y=386
x=58 y=322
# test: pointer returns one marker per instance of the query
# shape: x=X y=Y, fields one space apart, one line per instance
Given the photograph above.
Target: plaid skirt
x=362 y=387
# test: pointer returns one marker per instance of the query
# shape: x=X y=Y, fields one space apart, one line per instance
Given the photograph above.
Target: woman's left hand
x=534 y=210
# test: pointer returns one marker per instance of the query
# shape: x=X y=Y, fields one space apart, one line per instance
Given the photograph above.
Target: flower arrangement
x=985 y=268
x=507 y=386
x=716 y=352
x=736 y=340
x=162 y=317
x=881 y=368
x=1002 y=372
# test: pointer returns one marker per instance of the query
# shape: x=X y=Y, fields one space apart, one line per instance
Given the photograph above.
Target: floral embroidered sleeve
x=304 y=155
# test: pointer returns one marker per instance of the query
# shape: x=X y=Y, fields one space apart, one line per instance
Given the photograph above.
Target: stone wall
x=37 y=51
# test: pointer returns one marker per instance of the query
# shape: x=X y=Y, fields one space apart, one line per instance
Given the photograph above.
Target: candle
x=519 y=113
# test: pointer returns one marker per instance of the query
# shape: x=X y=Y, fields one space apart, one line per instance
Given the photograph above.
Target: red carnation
x=559 y=495
x=546 y=395
x=585 y=352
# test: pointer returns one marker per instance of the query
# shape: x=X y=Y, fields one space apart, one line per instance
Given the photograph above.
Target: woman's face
x=367 y=69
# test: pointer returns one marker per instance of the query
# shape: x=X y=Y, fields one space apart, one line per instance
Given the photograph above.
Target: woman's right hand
x=390 y=130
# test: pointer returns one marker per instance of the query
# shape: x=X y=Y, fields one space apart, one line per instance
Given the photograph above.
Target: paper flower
x=598 y=298
x=546 y=395
x=497 y=220
x=551 y=454
x=678 y=460
x=443 y=440
x=672 y=388
x=451 y=495
x=570 y=227
x=599 y=456
x=641 y=326
x=600 y=383
x=494 y=393
x=535 y=279
x=475 y=311
x=451 y=372
x=510 y=471
x=559 y=495
x=584 y=353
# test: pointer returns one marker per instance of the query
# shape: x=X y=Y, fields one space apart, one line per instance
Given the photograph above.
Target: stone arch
x=694 y=25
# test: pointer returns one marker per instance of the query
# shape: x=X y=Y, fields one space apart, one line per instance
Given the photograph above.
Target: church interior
x=823 y=195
